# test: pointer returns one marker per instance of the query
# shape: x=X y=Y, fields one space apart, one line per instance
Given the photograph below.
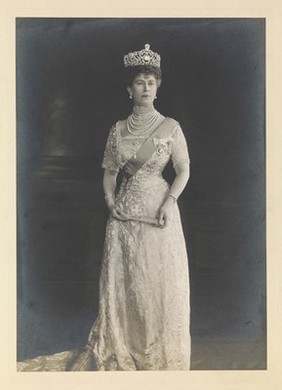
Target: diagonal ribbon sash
x=148 y=147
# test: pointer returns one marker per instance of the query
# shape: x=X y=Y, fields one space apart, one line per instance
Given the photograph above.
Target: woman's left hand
x=164 y=214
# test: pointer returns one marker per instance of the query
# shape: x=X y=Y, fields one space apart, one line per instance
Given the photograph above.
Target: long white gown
x=144 y=309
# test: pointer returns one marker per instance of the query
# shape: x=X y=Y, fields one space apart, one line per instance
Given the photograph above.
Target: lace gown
x=144 y=310
x=144 y=287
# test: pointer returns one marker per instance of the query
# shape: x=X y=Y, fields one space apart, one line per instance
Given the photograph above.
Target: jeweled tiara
x=142 y=57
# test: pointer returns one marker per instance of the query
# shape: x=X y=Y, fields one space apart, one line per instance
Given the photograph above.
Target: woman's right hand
x=117 y=213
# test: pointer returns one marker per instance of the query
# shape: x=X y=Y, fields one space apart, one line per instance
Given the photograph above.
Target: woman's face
x=143 y=89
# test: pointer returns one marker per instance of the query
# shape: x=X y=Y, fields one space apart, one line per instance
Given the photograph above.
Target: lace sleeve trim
x=180 y=152
x=109 y=160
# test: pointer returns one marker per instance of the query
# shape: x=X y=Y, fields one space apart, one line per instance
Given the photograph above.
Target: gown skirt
x=143 y=321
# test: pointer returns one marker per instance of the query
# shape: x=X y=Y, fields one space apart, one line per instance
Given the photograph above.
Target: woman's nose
x=146 y=87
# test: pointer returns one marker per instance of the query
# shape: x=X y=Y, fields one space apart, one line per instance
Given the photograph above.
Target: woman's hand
x=109 y=185
x=117 y=213
x=115 y=210
x=165 y=211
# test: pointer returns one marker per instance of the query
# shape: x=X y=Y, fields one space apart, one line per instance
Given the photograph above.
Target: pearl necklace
x=142 y=120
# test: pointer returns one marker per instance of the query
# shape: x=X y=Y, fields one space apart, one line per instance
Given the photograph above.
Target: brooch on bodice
x=162 y=144
x=136 y=145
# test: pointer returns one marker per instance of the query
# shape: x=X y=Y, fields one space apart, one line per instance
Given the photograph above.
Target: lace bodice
x=120 y=149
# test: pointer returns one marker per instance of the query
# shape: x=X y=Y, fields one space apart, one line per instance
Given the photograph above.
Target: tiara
x=142 y=57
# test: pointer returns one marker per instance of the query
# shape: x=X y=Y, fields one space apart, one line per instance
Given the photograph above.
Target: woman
x=143 y=321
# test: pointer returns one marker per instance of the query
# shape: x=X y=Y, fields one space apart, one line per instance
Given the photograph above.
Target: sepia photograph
x=141 y=194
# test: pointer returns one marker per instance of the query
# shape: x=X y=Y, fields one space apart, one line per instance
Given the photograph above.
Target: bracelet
x=109 y=195
x=173 y=197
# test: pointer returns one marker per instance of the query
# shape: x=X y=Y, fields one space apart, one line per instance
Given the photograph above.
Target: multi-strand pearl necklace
x=142 y=120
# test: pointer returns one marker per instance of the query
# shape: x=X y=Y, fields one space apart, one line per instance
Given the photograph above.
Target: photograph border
x=266 y=379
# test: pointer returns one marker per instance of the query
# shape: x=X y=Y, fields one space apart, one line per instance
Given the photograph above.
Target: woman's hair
x=132 y=71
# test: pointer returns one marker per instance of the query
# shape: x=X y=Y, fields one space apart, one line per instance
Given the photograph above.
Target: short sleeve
x=109 y=160
x=179 y=153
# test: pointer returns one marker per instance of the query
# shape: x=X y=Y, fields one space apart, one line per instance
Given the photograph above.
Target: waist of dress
x=146 y=183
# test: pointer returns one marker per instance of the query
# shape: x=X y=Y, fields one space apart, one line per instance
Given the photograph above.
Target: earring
x=130 y=96
x=156 y=97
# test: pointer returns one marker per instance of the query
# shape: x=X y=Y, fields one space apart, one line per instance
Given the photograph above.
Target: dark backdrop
x=69 y=93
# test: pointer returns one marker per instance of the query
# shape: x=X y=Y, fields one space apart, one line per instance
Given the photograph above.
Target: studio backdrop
x=69 y=93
